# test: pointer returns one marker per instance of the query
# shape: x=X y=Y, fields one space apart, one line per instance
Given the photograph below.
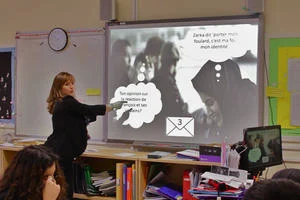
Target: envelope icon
x=180 y=126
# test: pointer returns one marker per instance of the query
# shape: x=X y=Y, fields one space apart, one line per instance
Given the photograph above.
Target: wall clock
x=57 y=39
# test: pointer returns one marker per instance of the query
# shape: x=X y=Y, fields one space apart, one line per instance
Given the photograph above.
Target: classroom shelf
x=103 y=157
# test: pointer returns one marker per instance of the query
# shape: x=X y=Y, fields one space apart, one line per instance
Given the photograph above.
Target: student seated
x=271 y=189
x=34 y=173
x=289 y=173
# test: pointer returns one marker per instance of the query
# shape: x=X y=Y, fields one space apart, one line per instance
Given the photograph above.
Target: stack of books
x=207 y=191
x=162 y=192
x=210 y=184
x=105 y=182
x=82 y=179
x=157 y=186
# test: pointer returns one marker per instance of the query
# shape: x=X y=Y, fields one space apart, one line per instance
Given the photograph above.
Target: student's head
x=275 y=147
x=169 y=58
x=63 y=84
x=26 y=175
x=259 y=139
x=153 y=46
x=143 y=69
x=288 y=173
x=218 y=80
x=152 y=51
x=214 y=114
x=271 y=189
x=121 y=53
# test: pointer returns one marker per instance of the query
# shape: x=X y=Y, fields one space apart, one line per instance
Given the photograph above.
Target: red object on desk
x=186 y=186
x=219 y=186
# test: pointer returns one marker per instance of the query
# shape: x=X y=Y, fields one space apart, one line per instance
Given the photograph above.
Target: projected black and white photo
x=183 y=82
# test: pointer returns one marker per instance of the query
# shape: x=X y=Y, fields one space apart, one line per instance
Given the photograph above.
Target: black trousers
x=66 y=165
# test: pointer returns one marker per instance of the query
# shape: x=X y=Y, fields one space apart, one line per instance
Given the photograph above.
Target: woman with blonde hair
x=69 y=121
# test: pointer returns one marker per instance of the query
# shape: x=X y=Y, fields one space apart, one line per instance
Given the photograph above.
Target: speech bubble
x=144 y=100
x=219 y=42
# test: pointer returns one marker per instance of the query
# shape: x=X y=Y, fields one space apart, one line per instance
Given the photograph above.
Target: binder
x=79 y=179
x=133 y=182
x=119 y=181
x=89 y=187
x=170 y=193
x=186 y=186
x=154 y=170
x=129 y=184
x=124 y=182
x=159 y=176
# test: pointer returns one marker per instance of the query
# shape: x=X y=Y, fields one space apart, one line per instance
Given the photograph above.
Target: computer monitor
x=263 y=148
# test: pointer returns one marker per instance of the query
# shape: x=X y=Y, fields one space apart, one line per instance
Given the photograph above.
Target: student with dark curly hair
x=34 y=174
x=271 y=189
x=288 y=173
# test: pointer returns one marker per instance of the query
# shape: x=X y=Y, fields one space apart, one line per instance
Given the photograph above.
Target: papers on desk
x=201 y=184
x=207 y=190
x=228 y=180
x=7 y=144
x=188 y=153
x=217 y=177
x=29 y=140
x=125 y=154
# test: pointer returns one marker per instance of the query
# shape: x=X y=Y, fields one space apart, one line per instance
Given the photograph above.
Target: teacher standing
x=69 y=121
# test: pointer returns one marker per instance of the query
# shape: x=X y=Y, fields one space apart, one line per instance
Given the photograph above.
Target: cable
x=284 y=164
x=269 y=98
x=266 y=174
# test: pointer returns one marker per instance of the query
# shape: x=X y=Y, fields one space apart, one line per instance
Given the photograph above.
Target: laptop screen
x=264 y=147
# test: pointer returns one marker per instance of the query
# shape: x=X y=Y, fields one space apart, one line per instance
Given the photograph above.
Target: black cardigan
x=69 y=120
